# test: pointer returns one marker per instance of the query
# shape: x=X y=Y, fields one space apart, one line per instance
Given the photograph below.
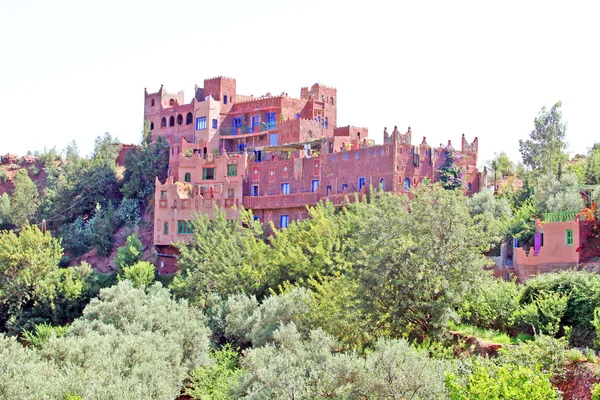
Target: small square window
x=569 y=237
x=163 y=195
x=232 y=170
x=200 y=123
x=315 y=185
x=231 y=193
x=361 y=182
x=284 y=221
x=208 y=174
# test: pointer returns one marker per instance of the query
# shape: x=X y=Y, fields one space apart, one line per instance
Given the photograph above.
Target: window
x=256 y=218
x=284 y=221
x=152 y=103
x=180 y=119
x=569 y=237
x=271 y=120
x=345 y=156
x=163 y=194
x=166 y=228
x=200 y=123
x=327 y=190
x=184 y=228
x=426 y=153
x=315 y=185
x=254 y=190
x=236 y=122
x=331 y=100
x=187 y=177
x=232 y=170
x=344 y=186
x=215 y=124
x=163 y=123
x=151 y=126
x=361 y=182
x=382 y=184
x=407 y=184
x=231 y=193
x=356 y=155
x=171 y=102
x=208 y=174
x=255 y=121
x=188 y=118
x=298 y=116
x=326 y=122
x=285 y=188
x=382 y=150
x=224 y=99
x=172 y=121
x=411 y=151
x=470 y=185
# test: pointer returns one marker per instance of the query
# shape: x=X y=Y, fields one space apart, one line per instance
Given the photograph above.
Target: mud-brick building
x=276 y=155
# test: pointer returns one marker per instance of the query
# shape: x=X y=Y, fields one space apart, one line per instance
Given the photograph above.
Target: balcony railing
x=281 y=200
x=245 y=130
x=560 y=216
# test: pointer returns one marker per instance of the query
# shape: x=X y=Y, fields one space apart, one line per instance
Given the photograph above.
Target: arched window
x=406 y=183
x=172 y=102
x=151 y=126
x=225 y=99
x=152 y=103
x=187 y=177
x=344 y=186
x=172 y=121
x=331 y=100
x=188 y=118
x=163 y=123
x=382 y=184
x=179 y=119
x=166 y=228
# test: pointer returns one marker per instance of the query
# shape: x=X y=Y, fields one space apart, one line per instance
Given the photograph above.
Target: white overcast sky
x=72 y=70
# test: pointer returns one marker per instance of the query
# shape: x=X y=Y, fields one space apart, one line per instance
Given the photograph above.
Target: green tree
x=26 y=259
x=223 y=257
x=102 y=229
x=141 y=274
x=552 y=194
x=592 y=167
x=5 y=210
x=544 y=150
x=451 y=175
x=143 y=166
x=415 y=260
x=130 y=253
x=25 y=199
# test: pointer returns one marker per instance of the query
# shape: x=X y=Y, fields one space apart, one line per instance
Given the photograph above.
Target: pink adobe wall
x=553 y=255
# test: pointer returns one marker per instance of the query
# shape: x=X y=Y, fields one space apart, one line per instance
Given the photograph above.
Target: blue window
x=333 y=157
x=470 y=185
x=297 y=116
x=407 y=184
x=411 y=150
x=356 y=155
x=345 y=156
x=315 y=185
x=285 y=188
x=225 y=99
x=326 y=122
x=361 y=182
x=344 y=186
x=284 y=221
x=256 y=218
x=255 y=121
x=271 y=120
x=236 y=122
x=368 y=152
x=215 y=124
x=200 y=123
x=382 y=150
x=382 y=184
x=254 y=190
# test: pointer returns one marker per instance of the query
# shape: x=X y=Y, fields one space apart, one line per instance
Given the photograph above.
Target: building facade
x=276 y=155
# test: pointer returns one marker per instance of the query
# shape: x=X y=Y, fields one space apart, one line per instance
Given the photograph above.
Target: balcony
x=246 y=130
x=281 y=200
x=560 y=216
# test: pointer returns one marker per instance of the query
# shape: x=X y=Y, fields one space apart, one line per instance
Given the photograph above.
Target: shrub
x=216 y=381
x=141 y=274
x=130 y=253
x=128 y=212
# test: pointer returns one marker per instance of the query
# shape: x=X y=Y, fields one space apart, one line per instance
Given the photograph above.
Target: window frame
x=184 y=227
x=569 y=237
x=200 y=123
x=314 y=186
x=166 y=228
x=283 y=218
x=205 y=173
x=285 y=188
x=231 y=167
x=187 y=177
x=361 y=182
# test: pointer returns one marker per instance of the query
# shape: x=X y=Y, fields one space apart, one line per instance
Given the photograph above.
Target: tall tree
x=544 y=150
x=25 y=199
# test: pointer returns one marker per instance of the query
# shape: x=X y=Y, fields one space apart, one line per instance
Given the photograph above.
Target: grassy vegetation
x=489 y=335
